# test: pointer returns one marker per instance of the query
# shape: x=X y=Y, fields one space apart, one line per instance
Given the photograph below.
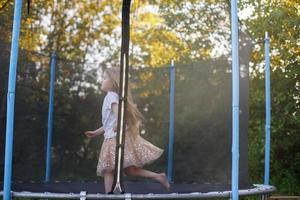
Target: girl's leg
x=137 y=171
x=108 y=180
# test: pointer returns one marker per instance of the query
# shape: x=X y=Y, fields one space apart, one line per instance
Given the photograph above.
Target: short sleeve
x=112 y=98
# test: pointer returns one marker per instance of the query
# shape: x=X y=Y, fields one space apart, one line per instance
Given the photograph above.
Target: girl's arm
x=95 y=132
x=99 y=130
x=114 y=107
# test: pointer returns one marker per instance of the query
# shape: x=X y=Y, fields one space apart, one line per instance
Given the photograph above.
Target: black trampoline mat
x=135 y=187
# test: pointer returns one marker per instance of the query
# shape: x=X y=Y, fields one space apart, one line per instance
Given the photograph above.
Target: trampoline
x=231 y=182
x=134 y=190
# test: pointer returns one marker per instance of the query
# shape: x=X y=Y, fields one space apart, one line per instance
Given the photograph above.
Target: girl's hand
x=90 y=133
x=115 y=127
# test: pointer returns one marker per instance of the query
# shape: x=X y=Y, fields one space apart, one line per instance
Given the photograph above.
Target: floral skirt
x=137 y=152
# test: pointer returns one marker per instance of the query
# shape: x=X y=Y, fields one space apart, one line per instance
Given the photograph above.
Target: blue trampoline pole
x=11 y=100
x=235 y=101
x=50 y=118
x=268 y=111
x=171 y=122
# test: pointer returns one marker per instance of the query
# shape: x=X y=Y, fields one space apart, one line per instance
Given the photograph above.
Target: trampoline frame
x=259 y=189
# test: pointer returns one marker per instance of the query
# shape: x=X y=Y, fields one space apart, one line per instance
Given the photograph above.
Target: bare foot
x=162 y=178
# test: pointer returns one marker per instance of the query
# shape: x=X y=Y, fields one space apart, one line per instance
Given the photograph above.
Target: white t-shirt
x=108 y=117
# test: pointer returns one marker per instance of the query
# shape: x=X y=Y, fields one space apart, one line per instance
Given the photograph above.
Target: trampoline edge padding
x=258 y=189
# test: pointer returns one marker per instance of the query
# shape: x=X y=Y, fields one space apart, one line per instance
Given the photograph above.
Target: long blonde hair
x=133 y=115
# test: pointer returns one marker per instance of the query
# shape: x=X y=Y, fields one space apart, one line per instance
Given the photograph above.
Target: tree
x=281 y=19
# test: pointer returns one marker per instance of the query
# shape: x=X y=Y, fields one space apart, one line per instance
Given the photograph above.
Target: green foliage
x=281 y=19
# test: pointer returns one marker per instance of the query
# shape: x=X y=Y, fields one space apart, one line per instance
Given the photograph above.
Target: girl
x=138 y=151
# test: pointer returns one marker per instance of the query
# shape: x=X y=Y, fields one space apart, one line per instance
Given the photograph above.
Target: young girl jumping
x=138 y=151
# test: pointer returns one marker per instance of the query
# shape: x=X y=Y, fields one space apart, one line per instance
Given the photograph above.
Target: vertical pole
x=235 y=100
x=11 y=100
x=117 y=186
x=268 y=111
x=171 y=122
x=50 y=117
x=264 y=197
